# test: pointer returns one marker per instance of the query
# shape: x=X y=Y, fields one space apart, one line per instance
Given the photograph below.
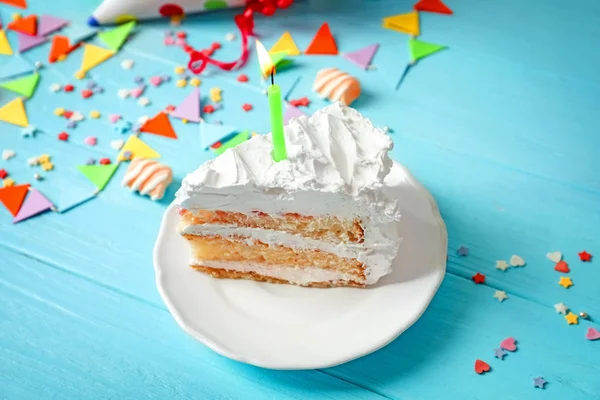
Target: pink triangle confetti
x=189 y=108
x=292 y=112
x=27 y=42
x=363 y=57
x=34 y=203
x=48 y=24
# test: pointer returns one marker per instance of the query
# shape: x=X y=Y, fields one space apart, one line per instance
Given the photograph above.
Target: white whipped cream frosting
x=336 y=164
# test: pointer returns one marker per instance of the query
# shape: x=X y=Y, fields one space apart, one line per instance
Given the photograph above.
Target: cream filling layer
x=298 y=276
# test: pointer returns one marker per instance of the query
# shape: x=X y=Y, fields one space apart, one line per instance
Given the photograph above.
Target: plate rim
x=439 y=273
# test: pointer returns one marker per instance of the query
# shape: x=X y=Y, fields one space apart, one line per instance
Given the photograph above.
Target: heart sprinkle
x=562 y=266
x=517 y=261
x=481 y=367
x=592 y=334
x=555 y=256
x=509 y=344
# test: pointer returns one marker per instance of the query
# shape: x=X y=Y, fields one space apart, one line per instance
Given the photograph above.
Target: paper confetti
x=99 y=175
x=404 y=23
x=159 y=125
x=14 y=113
x=49 y=24
x=26 y=25
x=420 y=49
x=12 y=197
x=434 y=6
x=323 y=42
x=5 y=48
x=35 y=203
x=24 y=86
x=234 y=141
x=114 y=38
x=17 y=66
x=93 y=56
x=189 y=108
x=292 y=112
x=286 y=45
x=138 y=149
x=362 y=57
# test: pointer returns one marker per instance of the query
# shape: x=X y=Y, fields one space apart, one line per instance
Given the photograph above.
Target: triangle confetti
x=405 y=23
x=212 y=133
x=138 y=149
x=189 y=108
x=27 y=42
x=292 y=112
x=14 y=113
x=79 y=33
x=34 y=204
x=114 y=38
x=93 y=56
x=27 y=25
x=364 y=56
x=323 y=42
x=24 y=86
x=276 y=58
x=12 y=197
x=420 y=49
x=285 y=44
x=435 y=6
x=99 y=175
x=61 y=46
x=234 y=141
x=16 y=3
x=17 y=66
x=4 y=45
x=159 y=125
x=49 y=24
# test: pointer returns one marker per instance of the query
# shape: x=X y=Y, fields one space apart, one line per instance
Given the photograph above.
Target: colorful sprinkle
x=562 y=266
x=592 y=334
x=509 y=344
x=44 y=158
x=516 y=261
x=179 y=70
x=230 y=36
x=462 y=251
x=29 y=131
x=8 y=182
x=565 y=282
x=86 y=93
x=499 y=353
x=79 y=75
x=208 y=109
x=143 y=101
x=572 y=319
x=181 y=83
x=195 y=82
x=3 y=173
x=500 y=295
x=55 y=87
x=123 y=93
x=215 y=94
x=138 y=79
x=37 y=177
x=117 y=144
x=127 y=155
x=8 y=154
x=122 y=127
x=32 y=161
x=502 y=265
x=181 y=35
x=95 y=114
x=301 y=102
x=555 y=256
x=247 y=107
x=127 y=64
x=155 y=80
x=72 y=125
x=47 y=166
x=90 y=161
x=561 y=308
x=539 y=382
x=91 y=140
x=113 y=118
x=481 y=367
x=242 y=78
x=104 y=161
x=64 y=136
x=59 y=112
x=478 y=278
x=69 y=88
x=585 y=256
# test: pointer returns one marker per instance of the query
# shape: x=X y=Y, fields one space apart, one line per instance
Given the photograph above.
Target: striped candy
x=337 y=85
x=149 y=177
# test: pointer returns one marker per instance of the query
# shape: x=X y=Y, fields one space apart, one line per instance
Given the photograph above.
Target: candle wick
x=272 y=78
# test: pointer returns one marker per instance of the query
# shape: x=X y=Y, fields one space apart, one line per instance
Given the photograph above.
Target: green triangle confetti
x=420 y=49
x=284 y=64
x=24 y=86
x=276 y=58
x=115 y=38
x=234 y=141
x=99 y=175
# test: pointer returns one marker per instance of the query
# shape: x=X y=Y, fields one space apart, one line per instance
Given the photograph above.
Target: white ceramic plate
x=291 y=327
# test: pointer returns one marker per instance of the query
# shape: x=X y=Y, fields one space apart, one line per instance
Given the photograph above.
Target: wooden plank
x=64 y=335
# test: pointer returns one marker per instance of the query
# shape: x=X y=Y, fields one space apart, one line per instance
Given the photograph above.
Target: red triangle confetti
x=60 y=46
x=323 y=42
x=16 y=3
x=12 y=197
x=159 y=125
x=434 y=6
x=27 y=25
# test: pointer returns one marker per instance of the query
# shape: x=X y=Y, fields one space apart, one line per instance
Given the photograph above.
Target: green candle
x=276 y=107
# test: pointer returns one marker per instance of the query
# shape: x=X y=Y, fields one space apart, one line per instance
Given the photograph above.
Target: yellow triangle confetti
x=4 y=45
x=285 y=44
x=138 y=149
x=14 y=113
x=94 y=55
x=405 y=23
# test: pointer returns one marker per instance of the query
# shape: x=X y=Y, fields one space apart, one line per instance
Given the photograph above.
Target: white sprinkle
x=8 y=154
x=143 y=101
x=32 y=161
x=37 y=177
x=123 y=93
x=230 y=36
x=143 y=119
x=117 y=144
x=38 y=65
x=127 y=64
x=77 y=116
x=55 y=87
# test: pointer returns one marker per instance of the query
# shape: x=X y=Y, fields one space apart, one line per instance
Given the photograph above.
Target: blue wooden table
x=503 y=128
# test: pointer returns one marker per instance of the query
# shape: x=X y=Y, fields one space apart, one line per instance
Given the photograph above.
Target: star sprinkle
x=462 y=251
x=502 y=265
x=572 y=319
x=516 y=261
x=8 y=154
x=3 y=173
x=179 y=70
x=565 y=282
x=478 y=278
x=59 y=112
x=90 y=161
x=215 y=94
x=195 y=82
x=539 y=382
x=44 y=158
x=127 y=64
x=499 y=353
x=29 y=131
x=47 y=166
x=247 y=107
x=8 y=182
x=500 y=295
x=55 y=87
x=585 y=256
x=94 y=114
x=181 y=83
x=561 y=308
x=64 y=136
x=122 y=127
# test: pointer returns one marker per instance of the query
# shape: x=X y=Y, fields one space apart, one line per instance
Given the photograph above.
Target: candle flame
x=264 y=60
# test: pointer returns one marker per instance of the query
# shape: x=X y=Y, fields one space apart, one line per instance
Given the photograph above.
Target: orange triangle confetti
x=61 y=46
x=12 y=197
x=14 y=113
x=159 y=125
x=16 y=3
x=285 y=44
x=405 y=23
x=323 y=42
x=27 y=25
x=434 y=6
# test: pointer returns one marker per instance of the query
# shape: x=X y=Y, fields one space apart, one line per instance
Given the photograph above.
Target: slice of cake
x=319 y=218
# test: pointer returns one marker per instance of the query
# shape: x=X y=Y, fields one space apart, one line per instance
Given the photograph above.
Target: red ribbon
x=199 y=60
